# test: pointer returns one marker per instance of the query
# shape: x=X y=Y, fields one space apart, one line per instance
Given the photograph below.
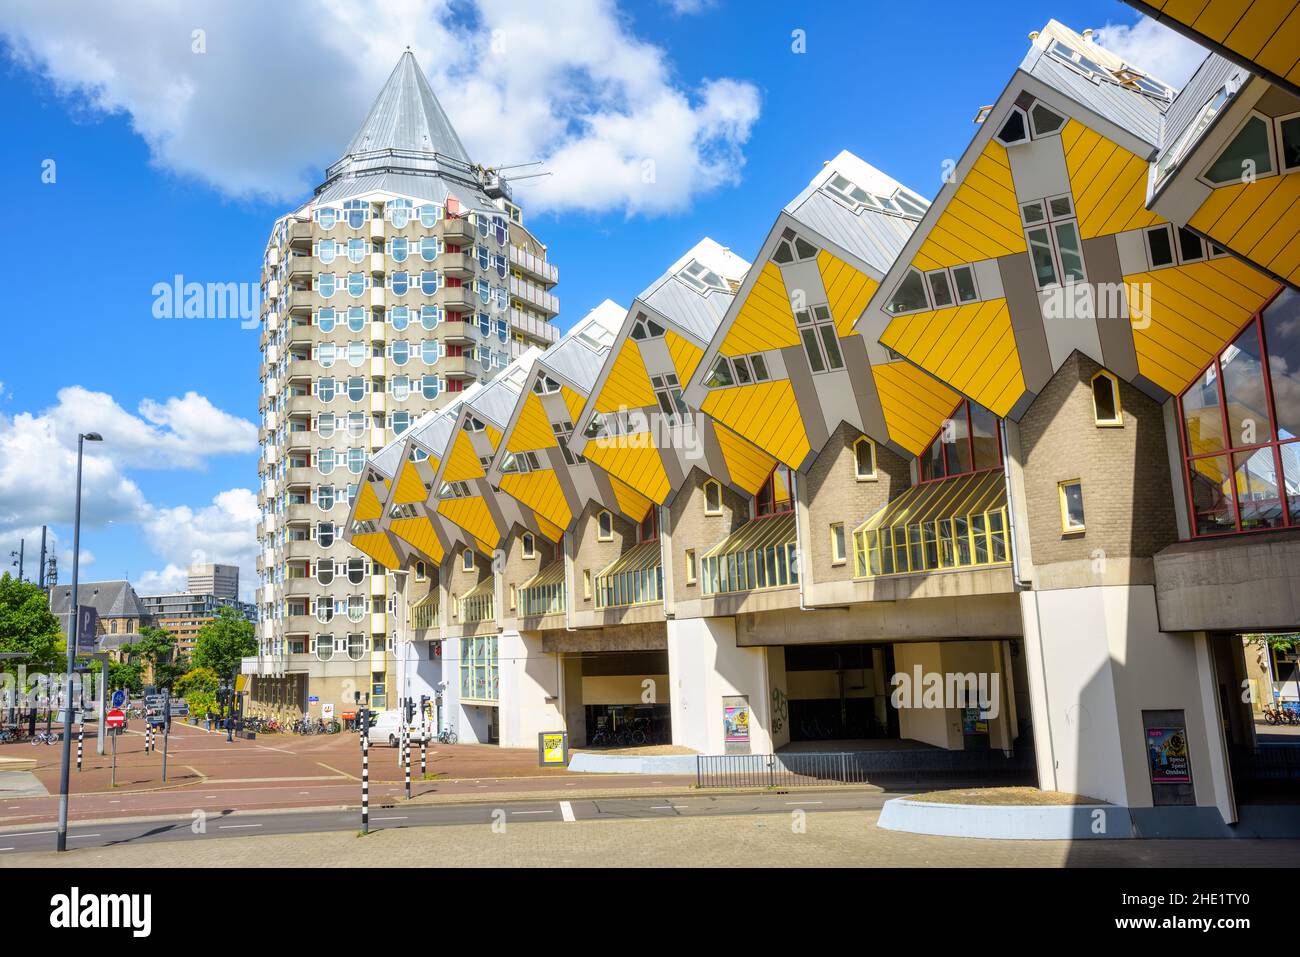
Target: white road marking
x=231 y=827
x=792 y=803
x=6 y=848
x=666 y=807
x=29 y=834
x=566 y=811
x=77 y=837
x=390 y=819
x=547 y=811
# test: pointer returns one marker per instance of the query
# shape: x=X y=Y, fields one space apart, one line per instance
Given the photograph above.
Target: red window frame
x=647 y=529
x=962 y=408
x=769 y=487
x=1230 y=451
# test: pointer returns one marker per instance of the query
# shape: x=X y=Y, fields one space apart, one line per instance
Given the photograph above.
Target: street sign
x=115 y=718
x=87 y=625
x=155 y=700
x=119 y=698
x=180 y=709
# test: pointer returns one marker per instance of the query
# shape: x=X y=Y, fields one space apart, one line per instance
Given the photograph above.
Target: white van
x=386 y=726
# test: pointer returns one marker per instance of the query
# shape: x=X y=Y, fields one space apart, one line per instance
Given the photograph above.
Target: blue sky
x=156 y=176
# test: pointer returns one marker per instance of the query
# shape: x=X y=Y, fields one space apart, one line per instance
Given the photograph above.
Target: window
x=910 y=296
x=545 y=385
x=691 y=572
x=1288 y=142
x=563 y=433
x=968 y=441
x=1015 y=129
x=645 y=328
x=529 y=545
x=1044 y=121
x=1105 y=400
x=1071 y=493
x=720 y=375
x=1240 y=426
x=792 y=248
x=421 y=572
x=467 y=560
x=586 y=583
x=712 y=498
x=776 y=495
x=837 y=543
x=669 y=393
x=821 y=343
x=864 y=459
x=398 y=212
x=1249 y=154
x=356 y=212
x=648 y=530
x=604 y=527
x=1052 y=234
x=702 y=279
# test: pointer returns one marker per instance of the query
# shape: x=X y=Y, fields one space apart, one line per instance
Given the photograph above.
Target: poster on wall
x=1167 y=754
x=552 y=748
x=735 y=724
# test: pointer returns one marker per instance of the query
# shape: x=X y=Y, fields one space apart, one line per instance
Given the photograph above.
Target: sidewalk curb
x=427 y=800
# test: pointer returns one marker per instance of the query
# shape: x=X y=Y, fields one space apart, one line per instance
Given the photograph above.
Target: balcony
x=300 y=232
x=461 y=298
x=300 y=265
x=424 y=616
x=457 y=366
x=951 y=524
x=544 y=593
x=301 y=549
x=635 y=578
x=536 y=265
x=457 y=231
x=533 y=327
x=458 y=264
x=534 y=294
x=479 y=603
x=759 y=555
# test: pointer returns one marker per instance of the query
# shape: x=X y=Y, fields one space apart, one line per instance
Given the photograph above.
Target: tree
x=198 y=687
x=126 y=675
x=223 y=641
x=28 y=627
x=156 y=648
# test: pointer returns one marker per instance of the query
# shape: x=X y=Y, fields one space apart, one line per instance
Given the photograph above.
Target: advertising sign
x=735 y=724
x=87 y=625
x=327 y=711
x=1167 y=755
x=552 y=748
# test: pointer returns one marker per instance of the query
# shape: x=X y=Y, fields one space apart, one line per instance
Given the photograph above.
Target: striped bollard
x=406 y=760
x=81 y=737
x=424 y=752
x=148 y=735
x=365 y=773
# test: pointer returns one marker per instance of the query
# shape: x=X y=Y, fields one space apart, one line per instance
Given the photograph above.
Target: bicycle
x=447 y=736
x=46 y=737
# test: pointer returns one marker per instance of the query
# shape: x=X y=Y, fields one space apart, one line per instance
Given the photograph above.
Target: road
x=388 y=817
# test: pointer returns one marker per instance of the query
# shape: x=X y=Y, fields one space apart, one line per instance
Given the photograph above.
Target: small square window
x=529 y=545
x=1160 y=245
x=1071 y=493
x=604 y=527
x=837 y=543
x=467 y=560
x=691 y=574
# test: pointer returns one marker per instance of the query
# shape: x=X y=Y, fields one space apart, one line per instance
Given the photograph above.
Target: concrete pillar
x=705 y=665
x=1096 y=660
x=530 y=689
x=575 y=711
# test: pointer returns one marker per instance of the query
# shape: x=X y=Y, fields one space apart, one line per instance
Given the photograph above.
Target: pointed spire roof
x=407 y=116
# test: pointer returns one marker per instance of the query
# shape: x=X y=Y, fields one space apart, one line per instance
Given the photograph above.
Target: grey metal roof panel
x=429 y=187
x=696 y=314
x=1214 y=72
x=1138 y=113
x=496 y=400
x=874 y=237
x=407 y=116
x=574 y=361
x=387 y=459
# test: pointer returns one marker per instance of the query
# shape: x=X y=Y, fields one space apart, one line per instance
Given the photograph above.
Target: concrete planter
x=1008 y=822
x=632 y=764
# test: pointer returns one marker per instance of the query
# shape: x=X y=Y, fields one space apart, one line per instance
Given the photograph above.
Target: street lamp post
x=62 y=840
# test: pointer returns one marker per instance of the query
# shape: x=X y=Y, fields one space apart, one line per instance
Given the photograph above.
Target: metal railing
x=815 y=768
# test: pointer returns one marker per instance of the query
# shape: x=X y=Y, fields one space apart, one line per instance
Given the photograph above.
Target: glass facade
x=1239 y=428
x=479 y=671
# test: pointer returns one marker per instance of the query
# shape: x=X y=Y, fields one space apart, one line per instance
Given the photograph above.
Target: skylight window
x=702 y=279
x=545 y=385
x=596 y=337
x=645 y=328
x=792 y=248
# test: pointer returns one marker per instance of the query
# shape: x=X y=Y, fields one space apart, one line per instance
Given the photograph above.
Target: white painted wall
x=530 y=690
x=704 y=666
x=1096 y=659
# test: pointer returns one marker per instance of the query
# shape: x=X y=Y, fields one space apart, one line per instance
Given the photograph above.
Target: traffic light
x=410 y=710
x=363 y=720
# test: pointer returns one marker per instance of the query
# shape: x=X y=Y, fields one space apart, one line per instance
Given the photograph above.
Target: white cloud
x=223 y=531
x=564 y=82
x=38 y=461
x=1154 y=48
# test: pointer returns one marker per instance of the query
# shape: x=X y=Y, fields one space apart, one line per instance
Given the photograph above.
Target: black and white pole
x=424 y=747
x=364 y=715
x=406 y=756
x=81 y=737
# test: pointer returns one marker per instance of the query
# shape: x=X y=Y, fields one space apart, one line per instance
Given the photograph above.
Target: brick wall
x=1127 y=495
x=592 y=555
x=691 y=528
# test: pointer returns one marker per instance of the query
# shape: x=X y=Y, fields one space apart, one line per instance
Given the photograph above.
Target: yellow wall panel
x=418 y=532
x=766 y=414
x=1109 y=183
x=628 y=384
x=532 y=431
x=747 y=465
x=685 y=354
x=462 y=463
x=1260 y=221
x=368 y=506
x=378 y=547
x=914 y=403
x=631 y=503
x=573 y=401
x=473 y=516
x=635 y=459
x=981 y=220
x=847 y=290
x=765 y=319
x=410 y=487
x=541 y=492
